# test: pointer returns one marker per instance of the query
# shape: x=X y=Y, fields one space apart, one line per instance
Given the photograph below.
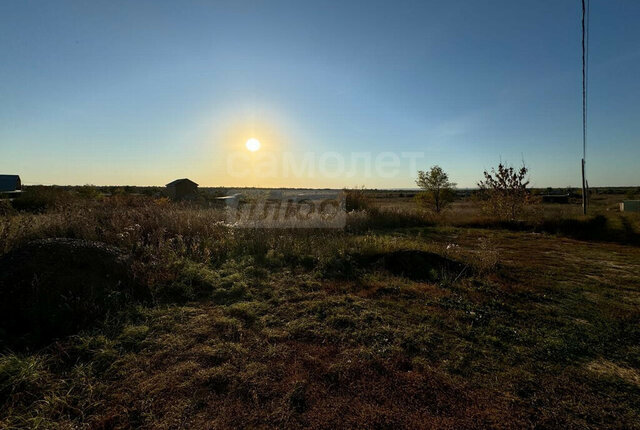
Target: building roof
x=178 y=181
x=9 y=182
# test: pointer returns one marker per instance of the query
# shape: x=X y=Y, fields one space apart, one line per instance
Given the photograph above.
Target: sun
x=253 y=144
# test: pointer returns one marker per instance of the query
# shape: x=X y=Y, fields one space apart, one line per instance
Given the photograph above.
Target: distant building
x=630 y=206
x=182 y=188
x=10 y=185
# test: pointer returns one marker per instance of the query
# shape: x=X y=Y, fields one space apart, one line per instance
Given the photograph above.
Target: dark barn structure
x=181 y=189
x=10 y=185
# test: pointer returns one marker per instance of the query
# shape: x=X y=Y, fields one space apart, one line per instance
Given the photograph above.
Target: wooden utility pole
x=585 y=45
x=584 y=191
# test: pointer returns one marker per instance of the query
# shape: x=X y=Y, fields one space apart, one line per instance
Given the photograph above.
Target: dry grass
x=285 y=328
x=609 y=369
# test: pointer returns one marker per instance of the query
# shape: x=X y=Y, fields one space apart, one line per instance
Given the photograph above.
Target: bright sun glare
x=253 y=145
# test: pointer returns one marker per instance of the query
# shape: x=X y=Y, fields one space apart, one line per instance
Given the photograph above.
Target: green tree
x=438 y=190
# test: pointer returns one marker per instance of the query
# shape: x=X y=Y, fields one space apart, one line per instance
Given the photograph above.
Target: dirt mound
x=420 y=265
x=54 y=287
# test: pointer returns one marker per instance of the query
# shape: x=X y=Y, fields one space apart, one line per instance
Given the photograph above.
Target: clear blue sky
x=141 y=92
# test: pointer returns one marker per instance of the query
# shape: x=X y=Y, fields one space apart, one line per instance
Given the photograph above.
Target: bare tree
x=504 y=191
x=438 y=190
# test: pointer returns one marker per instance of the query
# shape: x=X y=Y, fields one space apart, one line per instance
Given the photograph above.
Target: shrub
x=39 y=199
x=89 y=192
x=357 y=200
x=504 y=192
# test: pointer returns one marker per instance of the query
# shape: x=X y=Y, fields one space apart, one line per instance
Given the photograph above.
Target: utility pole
x=585 y=45
x=584 y=191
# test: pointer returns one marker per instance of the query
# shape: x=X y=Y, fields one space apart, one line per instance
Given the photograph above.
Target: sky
x=143 y=92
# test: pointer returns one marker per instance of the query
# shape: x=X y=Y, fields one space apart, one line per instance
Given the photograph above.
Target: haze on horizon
x=144 y=92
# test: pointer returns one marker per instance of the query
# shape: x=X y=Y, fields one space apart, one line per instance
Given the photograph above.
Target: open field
x=319 y=215
x=402 y=320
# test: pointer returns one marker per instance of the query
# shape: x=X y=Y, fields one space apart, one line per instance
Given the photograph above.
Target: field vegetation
x=404 y=319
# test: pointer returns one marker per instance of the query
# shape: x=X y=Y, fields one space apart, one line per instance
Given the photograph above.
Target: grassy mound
x=54 y=287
